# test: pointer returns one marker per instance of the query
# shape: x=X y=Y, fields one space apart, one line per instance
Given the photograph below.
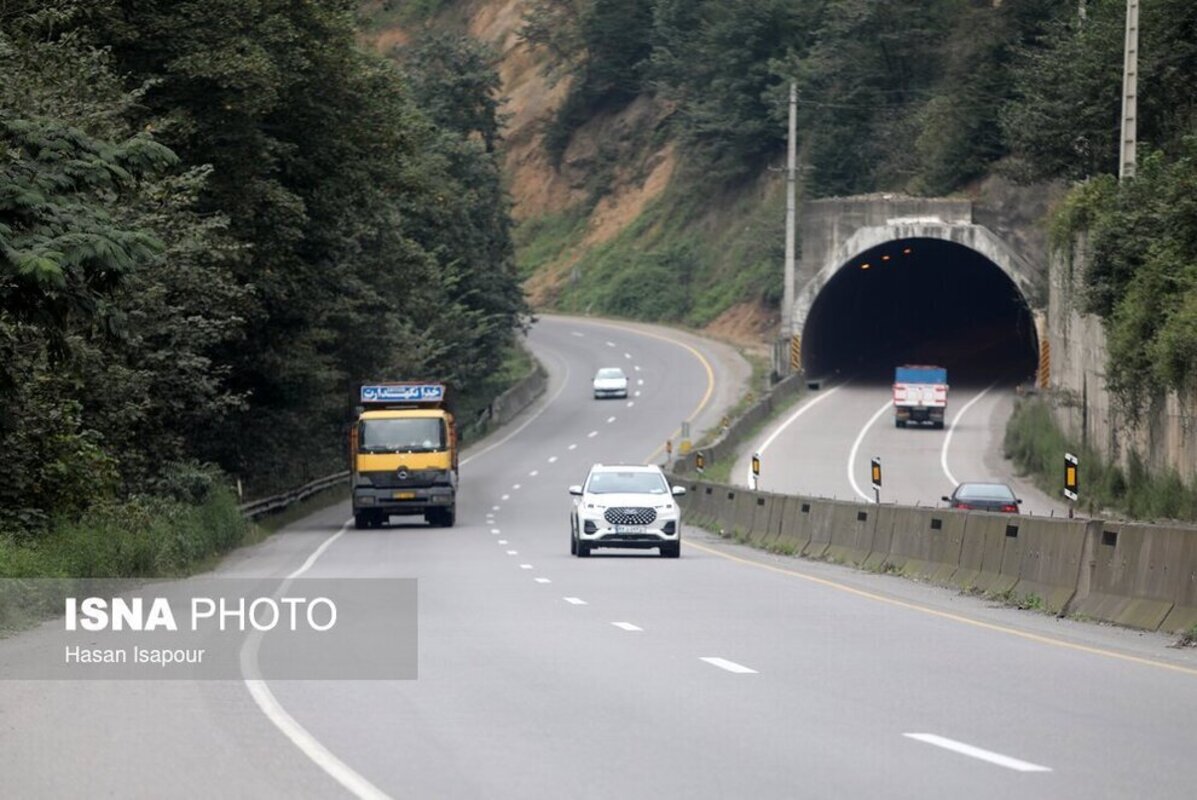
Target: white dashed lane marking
x=627 y=355
x=552 y=459
x=976 y=752
x=610 y=344
x=525 y=566
x=575 y=601
x=592 y=434
x=505 y=497
x=627 y=626
x=573 y=447
x=579 y=335
x=632 y=402
x=513 y=552
x=533 y=473
x=730 y=666
x=610 y=420
x=516 y=487
x=543 y=580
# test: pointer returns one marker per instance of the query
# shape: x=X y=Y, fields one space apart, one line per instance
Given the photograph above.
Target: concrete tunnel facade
x=936 y=288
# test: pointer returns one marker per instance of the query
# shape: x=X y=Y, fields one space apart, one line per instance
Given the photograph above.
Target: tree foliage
x=216 y=218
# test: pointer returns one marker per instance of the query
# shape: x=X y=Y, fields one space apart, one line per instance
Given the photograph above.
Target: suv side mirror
x=576 y=491
x=678 y=491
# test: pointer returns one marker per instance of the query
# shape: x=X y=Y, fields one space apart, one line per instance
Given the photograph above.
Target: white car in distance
x=626 y=506
x=610 y=382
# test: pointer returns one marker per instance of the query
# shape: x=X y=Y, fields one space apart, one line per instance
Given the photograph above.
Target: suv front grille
x=630 y=516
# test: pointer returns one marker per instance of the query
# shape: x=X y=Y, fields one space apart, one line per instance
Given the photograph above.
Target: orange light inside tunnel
x=907 y=251
x=865 y=266
x=885 y=258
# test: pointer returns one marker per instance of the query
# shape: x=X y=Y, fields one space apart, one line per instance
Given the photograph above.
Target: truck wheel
x=938 y=425
x=361 y=521
x=899 y=423
x=449 y=516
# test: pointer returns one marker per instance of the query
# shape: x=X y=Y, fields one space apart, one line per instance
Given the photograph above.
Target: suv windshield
x=413 y=435
x=627 y=483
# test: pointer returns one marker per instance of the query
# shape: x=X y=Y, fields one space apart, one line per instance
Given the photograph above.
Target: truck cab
x=403 y=454
x=920 y=395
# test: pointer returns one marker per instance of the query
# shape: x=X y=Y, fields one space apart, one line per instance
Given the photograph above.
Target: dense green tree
x=1064 y=120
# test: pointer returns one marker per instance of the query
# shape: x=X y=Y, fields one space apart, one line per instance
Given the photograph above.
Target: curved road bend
x=725 y=673
x=826 y=441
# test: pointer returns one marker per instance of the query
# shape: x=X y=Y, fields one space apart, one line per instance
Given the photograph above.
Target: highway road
x=823 y=446
x=727 y=673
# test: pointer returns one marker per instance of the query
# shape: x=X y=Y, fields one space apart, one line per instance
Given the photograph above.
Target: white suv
x=625 y=506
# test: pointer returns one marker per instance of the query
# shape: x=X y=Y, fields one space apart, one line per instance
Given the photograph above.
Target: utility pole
x=1130 y=91
x=787 y=302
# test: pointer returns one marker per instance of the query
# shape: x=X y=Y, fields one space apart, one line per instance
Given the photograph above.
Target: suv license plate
x=630 y=529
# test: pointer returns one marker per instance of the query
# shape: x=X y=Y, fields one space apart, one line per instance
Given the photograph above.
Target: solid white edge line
x=627 y=626
x=976 y=752
x=730 y=666
x=889 y=404
x=270 y=707
x=781 y=428
x=268 y=704
x=947 y=441
x=547 y=405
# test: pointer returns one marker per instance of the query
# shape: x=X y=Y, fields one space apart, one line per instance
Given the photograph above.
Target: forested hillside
x=216 y=218
x=929 y=97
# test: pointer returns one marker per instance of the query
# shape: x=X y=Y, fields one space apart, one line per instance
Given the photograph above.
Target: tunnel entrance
x=920 y=301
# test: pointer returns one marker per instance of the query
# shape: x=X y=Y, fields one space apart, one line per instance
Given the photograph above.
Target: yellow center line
x=1034 y=637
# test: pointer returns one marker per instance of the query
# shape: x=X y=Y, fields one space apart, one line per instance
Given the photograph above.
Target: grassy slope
x=687 y=257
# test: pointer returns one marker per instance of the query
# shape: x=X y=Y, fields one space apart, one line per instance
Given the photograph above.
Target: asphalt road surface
x=726 y=673
x=823 y=446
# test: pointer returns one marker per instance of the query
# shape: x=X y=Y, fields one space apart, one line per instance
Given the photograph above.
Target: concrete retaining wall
x=1142 y=576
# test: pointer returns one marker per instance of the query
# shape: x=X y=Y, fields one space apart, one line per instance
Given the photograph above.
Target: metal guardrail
x=269 y=505
x=501 y=410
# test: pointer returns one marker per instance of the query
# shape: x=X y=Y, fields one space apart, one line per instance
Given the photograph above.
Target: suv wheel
x=583 y=550
x=671 y=550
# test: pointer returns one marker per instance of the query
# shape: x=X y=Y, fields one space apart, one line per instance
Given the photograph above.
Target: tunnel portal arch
x=869 y=239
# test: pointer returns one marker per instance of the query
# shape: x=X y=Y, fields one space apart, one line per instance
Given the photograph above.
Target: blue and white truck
x=920 y=395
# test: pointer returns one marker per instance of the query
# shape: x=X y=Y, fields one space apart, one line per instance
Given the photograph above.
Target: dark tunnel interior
x=920 y=301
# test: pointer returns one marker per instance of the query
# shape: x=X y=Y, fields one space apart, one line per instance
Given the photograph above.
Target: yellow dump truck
x=403 y=455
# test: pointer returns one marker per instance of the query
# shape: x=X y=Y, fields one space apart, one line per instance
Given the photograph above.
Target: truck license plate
x=630 y=529
x=405 y=495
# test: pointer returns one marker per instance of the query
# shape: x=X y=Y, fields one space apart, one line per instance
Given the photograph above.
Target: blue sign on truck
x=403 y=393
